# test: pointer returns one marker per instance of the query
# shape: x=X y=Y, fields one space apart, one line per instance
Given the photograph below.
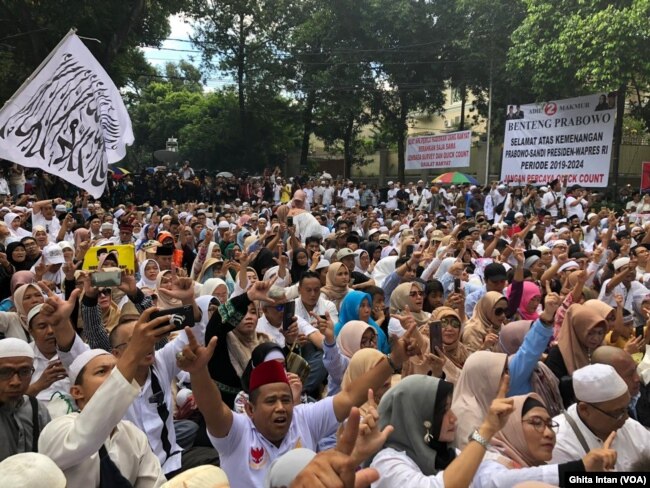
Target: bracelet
x=395 y=369
x=475 y=436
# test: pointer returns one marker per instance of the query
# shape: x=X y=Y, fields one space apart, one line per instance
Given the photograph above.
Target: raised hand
x=127 y=283
x=499 y=411
x=490 y=340
x=635 y=345
x=602 y=459
x=296 y=387
x=194 y=357
x=370 y=439
x=325 y=326
x=52 y=373
x=291 y=334
x=146 y=333
x=56 y=308
x=260 y=290
x=68 y=269
x=405 y=318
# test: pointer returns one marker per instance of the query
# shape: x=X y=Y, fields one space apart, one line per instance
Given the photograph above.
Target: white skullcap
x=568 y=265
x=81 y=361
x=223 y=225
x=597 y=383
x=548 y=236
x=199 y=477
x=13 y=348
x=620 y=262
x=274 y=355
x=34 y=312
x=543 y=249
x=31 y=470
x=591 y=216
x=559 y=242
x=518 y=214
x=323 y=263
x=119 y=213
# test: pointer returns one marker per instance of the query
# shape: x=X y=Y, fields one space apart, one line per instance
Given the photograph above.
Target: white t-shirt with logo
x=246 y=455
x=275 y=333
x=52 y=227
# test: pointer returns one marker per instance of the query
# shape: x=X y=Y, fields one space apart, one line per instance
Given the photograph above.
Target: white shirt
x=73 y=441
x=493 y=474
x=40 y=364
x=392 y=199
x=632 y=442
x=246 y=455
x=578 y=209
x=350 y=197
x=275 y=333
x=397 y=469
x=548 y=198
x=328 y=193
x=322 y=305
x=636 y=289
x=52 y=227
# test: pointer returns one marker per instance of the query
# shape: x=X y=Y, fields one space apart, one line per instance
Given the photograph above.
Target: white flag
x=68 y=119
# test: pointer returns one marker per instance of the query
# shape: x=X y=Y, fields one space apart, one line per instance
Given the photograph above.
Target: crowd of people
x=311 y=332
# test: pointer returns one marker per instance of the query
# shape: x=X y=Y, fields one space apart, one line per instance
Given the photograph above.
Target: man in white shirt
x=328 y=194
x=553 y=200
x=248 y=444
x=350 y=195
x=601 y=409
x=575 y=203
x=318 y=193
x=96 y=447
x=590 y=231
x=49 y=374
x=622 y=283
x=391 y=204
x=270 y=323
x=311 y=300
x=43 y=214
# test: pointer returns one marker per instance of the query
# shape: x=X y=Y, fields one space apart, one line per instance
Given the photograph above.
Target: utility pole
x=489 y=129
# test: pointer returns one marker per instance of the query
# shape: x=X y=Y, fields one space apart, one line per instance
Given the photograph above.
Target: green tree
x=29 y=31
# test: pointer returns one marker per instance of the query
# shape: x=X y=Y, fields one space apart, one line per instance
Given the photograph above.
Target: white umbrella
x=225 y=174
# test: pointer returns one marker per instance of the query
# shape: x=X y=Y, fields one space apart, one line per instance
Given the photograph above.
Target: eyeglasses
x=614 y=416
x=416 y=294
x=540 y=424
x=450 y=323
x=23 y=373
x=499 y=311
x=369 y=342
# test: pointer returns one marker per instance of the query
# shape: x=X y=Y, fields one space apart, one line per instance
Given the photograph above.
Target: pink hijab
x=531 y=290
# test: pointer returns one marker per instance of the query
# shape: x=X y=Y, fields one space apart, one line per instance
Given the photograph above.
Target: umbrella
x=224 y=174
x=455 y=177
x=118 y=172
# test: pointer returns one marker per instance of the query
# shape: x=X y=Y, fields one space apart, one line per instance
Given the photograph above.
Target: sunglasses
x=499 y=311
x=279 y=308
x=104 y=291
x=450 y=323
x=416 y=294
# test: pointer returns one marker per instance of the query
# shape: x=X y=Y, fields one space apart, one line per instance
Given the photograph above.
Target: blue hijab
x=350 y=311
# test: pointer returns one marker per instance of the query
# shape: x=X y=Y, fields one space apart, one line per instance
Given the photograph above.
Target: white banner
x=441 y=151
x=68 y=119
x=570 y=137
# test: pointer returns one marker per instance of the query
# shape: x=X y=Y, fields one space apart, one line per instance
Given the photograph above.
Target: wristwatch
x=475 y=436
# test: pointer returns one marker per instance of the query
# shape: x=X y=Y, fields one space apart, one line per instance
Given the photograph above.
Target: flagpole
x=72 y=31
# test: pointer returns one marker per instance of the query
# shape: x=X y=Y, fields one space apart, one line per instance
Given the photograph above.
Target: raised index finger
x=610 y=439
x=348 y=438
x=548 y=287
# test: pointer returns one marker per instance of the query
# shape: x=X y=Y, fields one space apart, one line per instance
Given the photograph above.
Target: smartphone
x=456 y=285
x=289 y=221
x=435 y=335
x=639 y=331
x=106 y=278
x=324 y=317
x=181 y=317
x=289 y=313
x=409 y=250
x=177 y=258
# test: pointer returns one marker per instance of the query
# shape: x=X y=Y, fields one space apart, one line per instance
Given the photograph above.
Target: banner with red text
x=571 y=137
x=439 y=152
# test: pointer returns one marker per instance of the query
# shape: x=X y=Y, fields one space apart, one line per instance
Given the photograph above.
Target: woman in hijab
x=411 y=295
x=355 y=335
x=388 y=251
x=583 y=331
x=357 y=305
x=521 y=450
x=382 y=269
x=284 y=469
x=475 y=390
x=360 y=363
x=12 y=220
x=418 y=451
x=362 y=262
x=163 y=300
x=80 y=235
x=482 y=329
x=455 y=351
x=17 y=279
x=14 y=324
x=215 y=287
x=234 y=325
x=17 y=256
x=149 y=271
x=263 y=261
x=40 y=234
x=607 y=313
x=434 y=296
x=530 y=300
x=336 y=287
x=299 y=264
x=542 y=380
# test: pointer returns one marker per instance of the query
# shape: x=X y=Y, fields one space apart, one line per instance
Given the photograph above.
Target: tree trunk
x=307 y=124
x=348 y=153
x=618 y=137
x=402 y=131
x=463 y=101
x=120 y=36
x=241 y=61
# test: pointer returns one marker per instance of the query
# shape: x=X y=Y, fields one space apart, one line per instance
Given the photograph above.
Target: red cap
x=266 y=373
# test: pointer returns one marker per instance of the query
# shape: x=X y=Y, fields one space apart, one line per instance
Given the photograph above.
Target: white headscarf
x=383 y=268
x=144 y=281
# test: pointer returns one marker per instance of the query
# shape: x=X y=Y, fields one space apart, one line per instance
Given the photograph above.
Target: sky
x=178 y=47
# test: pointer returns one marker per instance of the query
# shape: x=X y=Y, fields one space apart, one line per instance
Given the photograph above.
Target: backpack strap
x=36 y=427
x=577 y=432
